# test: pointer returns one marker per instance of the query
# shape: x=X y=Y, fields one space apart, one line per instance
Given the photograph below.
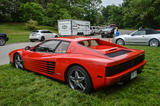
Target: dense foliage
x=130 y=14
x=47 y=12
x=134 y=13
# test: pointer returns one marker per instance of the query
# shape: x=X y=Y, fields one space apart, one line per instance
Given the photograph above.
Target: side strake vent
x=117 y=53
x=50 y=67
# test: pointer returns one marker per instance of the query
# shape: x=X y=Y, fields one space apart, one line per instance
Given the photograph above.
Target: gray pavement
x=5 y=50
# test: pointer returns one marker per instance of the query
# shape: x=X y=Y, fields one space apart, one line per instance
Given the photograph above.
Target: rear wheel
x=18 y=62
x=42 y=38
x=2 y=41
x=154 y=42
x=120 y=42
x=31 y=40
x=79 y=79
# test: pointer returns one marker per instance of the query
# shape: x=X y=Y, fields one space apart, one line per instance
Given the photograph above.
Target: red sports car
x=84 y=63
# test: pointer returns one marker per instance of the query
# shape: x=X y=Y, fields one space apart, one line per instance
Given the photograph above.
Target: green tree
x=31 y=10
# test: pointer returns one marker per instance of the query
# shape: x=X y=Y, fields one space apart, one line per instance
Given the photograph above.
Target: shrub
x=32 y=25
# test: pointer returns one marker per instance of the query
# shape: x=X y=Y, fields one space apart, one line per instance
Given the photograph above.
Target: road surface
x=5 y=50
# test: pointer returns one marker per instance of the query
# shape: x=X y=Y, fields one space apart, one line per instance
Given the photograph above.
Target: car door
x=42 y=58
x=137 y=37
x=49 y=34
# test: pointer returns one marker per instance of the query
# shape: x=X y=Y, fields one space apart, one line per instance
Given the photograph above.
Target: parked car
x=107 y=32
x=41 y=35
x=3 y=39
x=84 y=63
x=149 y=37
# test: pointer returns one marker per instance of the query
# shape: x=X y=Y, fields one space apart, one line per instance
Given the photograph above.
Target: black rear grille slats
x=123 y=66
x=50 y=67
x=117 y=53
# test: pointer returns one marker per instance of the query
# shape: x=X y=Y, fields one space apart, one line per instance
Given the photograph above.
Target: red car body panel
x=92 y=59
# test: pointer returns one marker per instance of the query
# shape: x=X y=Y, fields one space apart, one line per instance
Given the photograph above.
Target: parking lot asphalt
x=5 y=50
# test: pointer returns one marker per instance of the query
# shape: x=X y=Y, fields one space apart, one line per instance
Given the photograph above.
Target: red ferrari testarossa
x=84 y=63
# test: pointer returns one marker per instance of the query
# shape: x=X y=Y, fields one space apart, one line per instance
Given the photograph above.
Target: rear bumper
x=123 y=75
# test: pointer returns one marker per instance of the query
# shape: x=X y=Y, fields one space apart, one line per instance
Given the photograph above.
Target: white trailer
x=69 y=27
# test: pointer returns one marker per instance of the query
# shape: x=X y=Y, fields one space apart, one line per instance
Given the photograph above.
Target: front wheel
x=120 y=42
x=2 y=41
x=79 y=79
x=18 y=62
x=154 y=42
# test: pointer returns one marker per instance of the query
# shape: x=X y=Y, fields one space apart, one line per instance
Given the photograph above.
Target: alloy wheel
x=120 y=42
x=2 y=41
x=154 y=43
x=77 y=80
x=18 y=62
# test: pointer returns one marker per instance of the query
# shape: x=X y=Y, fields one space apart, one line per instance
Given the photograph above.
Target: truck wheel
x=2 y=41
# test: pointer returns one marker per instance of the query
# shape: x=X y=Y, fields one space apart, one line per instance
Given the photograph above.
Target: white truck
x=69 y=27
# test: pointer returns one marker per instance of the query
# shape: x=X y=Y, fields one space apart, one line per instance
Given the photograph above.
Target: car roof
x=75 y=38
x=41 y=30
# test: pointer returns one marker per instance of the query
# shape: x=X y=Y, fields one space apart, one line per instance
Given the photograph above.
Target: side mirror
x=27 y=48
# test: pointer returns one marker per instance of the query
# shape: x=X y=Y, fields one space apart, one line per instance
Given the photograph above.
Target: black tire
x=31 y=40
x=18 y=62
x=79 y=79
x=42 y=38
x=2 y=41
x=154 y=42
x=56 y=36
x=120 y=40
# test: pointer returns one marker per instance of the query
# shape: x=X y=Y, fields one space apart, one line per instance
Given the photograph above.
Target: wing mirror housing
x=27 y=48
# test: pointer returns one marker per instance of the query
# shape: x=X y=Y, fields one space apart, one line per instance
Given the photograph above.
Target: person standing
x=116 y=32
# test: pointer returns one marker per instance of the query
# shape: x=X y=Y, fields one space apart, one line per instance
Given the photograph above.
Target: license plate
x=133 y=74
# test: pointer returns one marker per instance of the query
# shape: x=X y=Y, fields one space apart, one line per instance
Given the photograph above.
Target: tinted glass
x=151 y=31
x=43 y=31
x=88 y=43
x=48 y=46
x=140 y=33
x=35 y=31
x=63 y=47
x=49 y=32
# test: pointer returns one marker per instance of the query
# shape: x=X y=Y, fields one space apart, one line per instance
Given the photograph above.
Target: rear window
x=88 y=43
